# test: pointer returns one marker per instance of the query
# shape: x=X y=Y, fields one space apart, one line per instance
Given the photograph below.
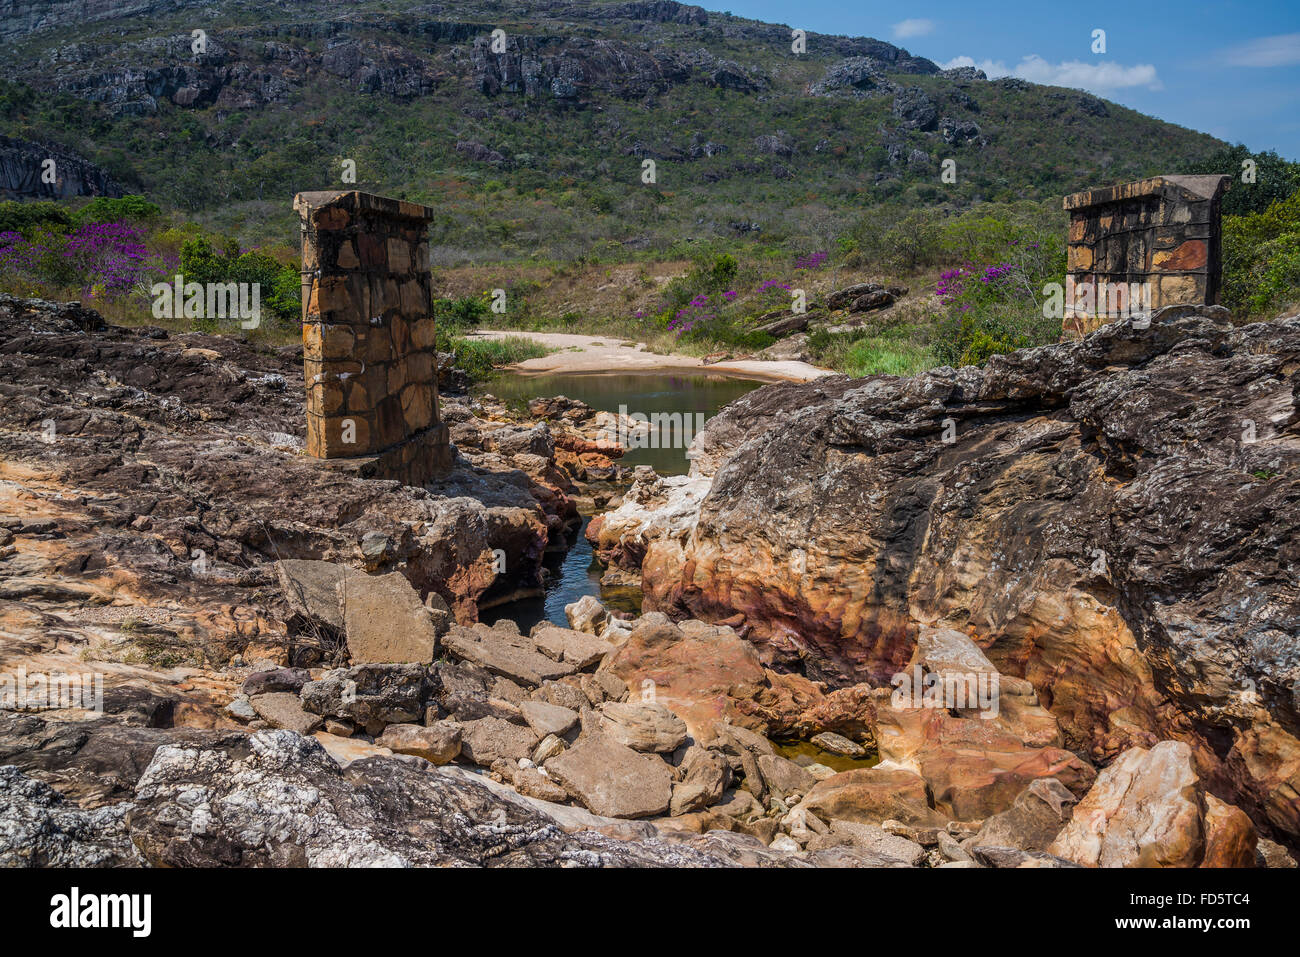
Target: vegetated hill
x=538 y=151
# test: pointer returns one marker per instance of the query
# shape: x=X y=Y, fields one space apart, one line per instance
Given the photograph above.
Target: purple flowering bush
x=110 y=259
x=716 y=303
x=997 y=307
x=113 y=250
x=93 y=261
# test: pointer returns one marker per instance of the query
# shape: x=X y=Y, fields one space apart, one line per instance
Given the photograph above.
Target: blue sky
x=1231 y=69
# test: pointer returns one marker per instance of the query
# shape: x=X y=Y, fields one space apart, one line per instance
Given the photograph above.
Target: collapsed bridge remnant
x=369 y=354
x=1140 y=246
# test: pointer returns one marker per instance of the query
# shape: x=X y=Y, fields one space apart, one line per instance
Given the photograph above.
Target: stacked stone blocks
x=1158 y=235
x=369 y=354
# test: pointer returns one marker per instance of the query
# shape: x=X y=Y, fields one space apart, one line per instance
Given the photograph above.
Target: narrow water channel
x=697 y=397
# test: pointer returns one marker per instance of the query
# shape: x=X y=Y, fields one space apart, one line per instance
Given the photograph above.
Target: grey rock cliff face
x=23 y=164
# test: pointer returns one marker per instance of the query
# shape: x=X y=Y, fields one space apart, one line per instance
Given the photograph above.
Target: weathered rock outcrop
x=1146 y=811
x=181 y=474
x=278 y=799
x=23 y=163
x=39 y=828
x=1114 y=520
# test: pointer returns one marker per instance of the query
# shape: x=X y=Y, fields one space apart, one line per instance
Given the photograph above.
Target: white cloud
x=913 y=28
x=1098 y=77
x=1280 y=50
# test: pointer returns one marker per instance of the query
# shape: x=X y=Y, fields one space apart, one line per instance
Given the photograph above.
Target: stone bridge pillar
x=369 y=357
x=1140 y=246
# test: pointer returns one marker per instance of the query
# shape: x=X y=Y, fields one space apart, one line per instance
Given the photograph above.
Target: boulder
x=943 y=650
x=437 y=743
x=275 y=679
x=489 y=739
x=842 y=297
x=311 y=589
x=371 y=696
x=1272 y=854
x=699 y=676
x=872 y=796
x=873 y=840
x=1033 y=821
x=282 y=709
x=1230 y=838
x=1003 y=857
x=562 y=693
x=533 y=783
x=547 y=748
x=784 y=776
x=838 y=744
x=1143 y=811
x=872 y=300
x=501 y=653
x=380 y=616
x=548 y=719
x=705 y=775
x=643 y=727
x=975 y=767
x=587 y=615
x=570 y=646
x=385 y=621
x=611 y=779
x=240 y=710
x=736 y=740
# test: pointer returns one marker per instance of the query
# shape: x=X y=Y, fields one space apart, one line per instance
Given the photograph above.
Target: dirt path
x=581 y=353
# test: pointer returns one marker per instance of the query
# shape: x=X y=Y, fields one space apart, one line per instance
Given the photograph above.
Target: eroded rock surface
x=1146 y=810
x=1114 y=520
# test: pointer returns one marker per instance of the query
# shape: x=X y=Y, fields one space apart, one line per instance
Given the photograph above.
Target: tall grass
x=483 y=358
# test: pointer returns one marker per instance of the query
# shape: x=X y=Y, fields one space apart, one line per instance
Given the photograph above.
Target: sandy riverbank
x=582 y=353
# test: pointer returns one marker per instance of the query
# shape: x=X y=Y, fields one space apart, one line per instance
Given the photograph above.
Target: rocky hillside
x=1114 y=520
x=539 y=144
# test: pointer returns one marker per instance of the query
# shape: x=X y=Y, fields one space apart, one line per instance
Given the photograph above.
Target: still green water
x=686 y=399
x=794 y=749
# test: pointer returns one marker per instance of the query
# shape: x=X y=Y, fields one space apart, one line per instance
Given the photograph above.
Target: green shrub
x=1261 y=259
x=997 y=308
x=723 y=271
x=454 y=317
x=29 y=218
x=109 y=209
x=280 y=285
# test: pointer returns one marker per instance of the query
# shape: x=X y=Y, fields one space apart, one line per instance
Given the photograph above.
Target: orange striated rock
x=1230 y=838
x=1148 y=810
x=873 y=796
x=697 y=675
x=975 y=767
x=1098 y=520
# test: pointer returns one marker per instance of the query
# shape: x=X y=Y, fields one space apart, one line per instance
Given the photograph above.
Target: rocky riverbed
x=293 y=672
